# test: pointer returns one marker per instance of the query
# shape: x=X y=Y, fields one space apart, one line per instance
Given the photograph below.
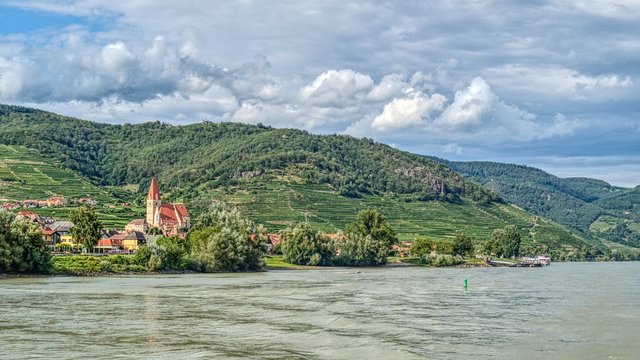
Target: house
x=9 y=206
x=26 y=214
x=402 y=250
x=61 y=232
x=171 y=218
x=137 y=225
x=337 y=237
x=133 y=240
x=56 y=201
x=47 y=235
x=88 y=201
x=30 y=203
x=273 y=240
x=110 y=243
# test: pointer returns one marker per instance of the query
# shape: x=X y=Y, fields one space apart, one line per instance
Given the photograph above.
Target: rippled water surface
x=564 y=311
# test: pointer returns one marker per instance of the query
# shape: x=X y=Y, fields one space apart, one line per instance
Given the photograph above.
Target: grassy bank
x=84 y=265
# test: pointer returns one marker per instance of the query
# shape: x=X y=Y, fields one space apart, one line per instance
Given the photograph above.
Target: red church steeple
x=154 y=192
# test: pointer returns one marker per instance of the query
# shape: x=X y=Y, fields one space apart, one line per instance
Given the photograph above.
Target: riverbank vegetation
x=22 y=248
x=365 y=242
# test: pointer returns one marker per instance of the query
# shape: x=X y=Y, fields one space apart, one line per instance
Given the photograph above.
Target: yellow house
x=133 y=240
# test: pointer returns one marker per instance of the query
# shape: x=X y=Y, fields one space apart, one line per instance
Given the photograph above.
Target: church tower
x=153 y=204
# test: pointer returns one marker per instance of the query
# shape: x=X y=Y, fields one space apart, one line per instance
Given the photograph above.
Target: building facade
x=172 y=219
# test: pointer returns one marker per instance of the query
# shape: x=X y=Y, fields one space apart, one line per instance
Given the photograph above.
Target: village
x=162 y=219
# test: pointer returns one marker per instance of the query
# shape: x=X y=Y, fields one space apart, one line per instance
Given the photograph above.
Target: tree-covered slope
x=590 y=206
x=209 y=155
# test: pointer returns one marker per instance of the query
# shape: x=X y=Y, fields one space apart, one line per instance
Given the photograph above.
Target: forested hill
x=591 y=206
x=278 y=177
x=192 y=159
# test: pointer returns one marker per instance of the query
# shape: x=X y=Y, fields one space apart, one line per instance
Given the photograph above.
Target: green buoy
x=465 y=283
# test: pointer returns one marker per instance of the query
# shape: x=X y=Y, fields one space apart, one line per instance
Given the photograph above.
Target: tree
x=504 y=242
x=22 y=249
x=303 y=246
x=370 y=222
x=358 y=250
x=462 y=244
x=86 y=226
x=421 y=246
x=225 y=241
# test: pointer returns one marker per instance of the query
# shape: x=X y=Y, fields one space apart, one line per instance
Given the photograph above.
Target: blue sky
x=552 y=84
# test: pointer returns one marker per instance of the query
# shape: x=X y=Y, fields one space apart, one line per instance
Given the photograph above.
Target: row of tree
x=364 y=242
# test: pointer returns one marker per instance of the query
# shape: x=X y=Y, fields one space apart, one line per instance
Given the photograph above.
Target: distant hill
x=593 y=207
x=282 y=176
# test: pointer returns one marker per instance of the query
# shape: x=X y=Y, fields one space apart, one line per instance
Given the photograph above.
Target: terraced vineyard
x=281 y=204
x=24 y=174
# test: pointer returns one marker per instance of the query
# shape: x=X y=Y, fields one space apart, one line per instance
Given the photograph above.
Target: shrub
x=441 y=260
x=357 y=250
x=303 y=246
x=135 y=268
x=105 y=265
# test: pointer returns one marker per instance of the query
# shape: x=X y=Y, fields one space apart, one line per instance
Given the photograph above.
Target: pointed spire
x=154 y=192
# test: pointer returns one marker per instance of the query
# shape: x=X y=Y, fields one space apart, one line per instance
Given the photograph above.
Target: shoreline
x=395 y=264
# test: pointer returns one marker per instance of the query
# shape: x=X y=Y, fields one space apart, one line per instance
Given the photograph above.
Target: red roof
x=114 y=241
x=172 y=214
x=154 y=192
x=274 y=239
x=46 y=231
x=182 y=210
x=26 y=213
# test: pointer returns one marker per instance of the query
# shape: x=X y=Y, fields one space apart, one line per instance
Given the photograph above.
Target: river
x=563 y=311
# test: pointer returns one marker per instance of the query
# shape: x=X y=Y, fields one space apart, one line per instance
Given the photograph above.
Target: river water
x=563 y=311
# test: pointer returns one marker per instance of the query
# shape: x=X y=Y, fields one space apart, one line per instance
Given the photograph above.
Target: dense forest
x=198 y=157
x=580 y=203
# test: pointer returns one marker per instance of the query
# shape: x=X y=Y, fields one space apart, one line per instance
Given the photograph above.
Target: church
x=172 y=219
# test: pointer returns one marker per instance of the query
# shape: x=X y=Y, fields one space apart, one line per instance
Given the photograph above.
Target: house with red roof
x=111 y=243
x=171 y=218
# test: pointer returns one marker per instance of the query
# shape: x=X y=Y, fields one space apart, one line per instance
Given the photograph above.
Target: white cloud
x=334 y=87
x=389 y=87
x=469 y=105
x=406 y=112
x=116 y=61
x=476 y=114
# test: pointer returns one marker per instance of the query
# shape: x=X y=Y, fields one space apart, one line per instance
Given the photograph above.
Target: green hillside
x=282 y=176
x=592 y=207
x=25 y=174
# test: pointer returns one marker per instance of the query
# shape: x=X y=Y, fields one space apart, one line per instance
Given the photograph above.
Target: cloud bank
x=444 y=78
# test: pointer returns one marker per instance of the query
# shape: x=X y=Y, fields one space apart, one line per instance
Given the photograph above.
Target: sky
x=552 y=84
